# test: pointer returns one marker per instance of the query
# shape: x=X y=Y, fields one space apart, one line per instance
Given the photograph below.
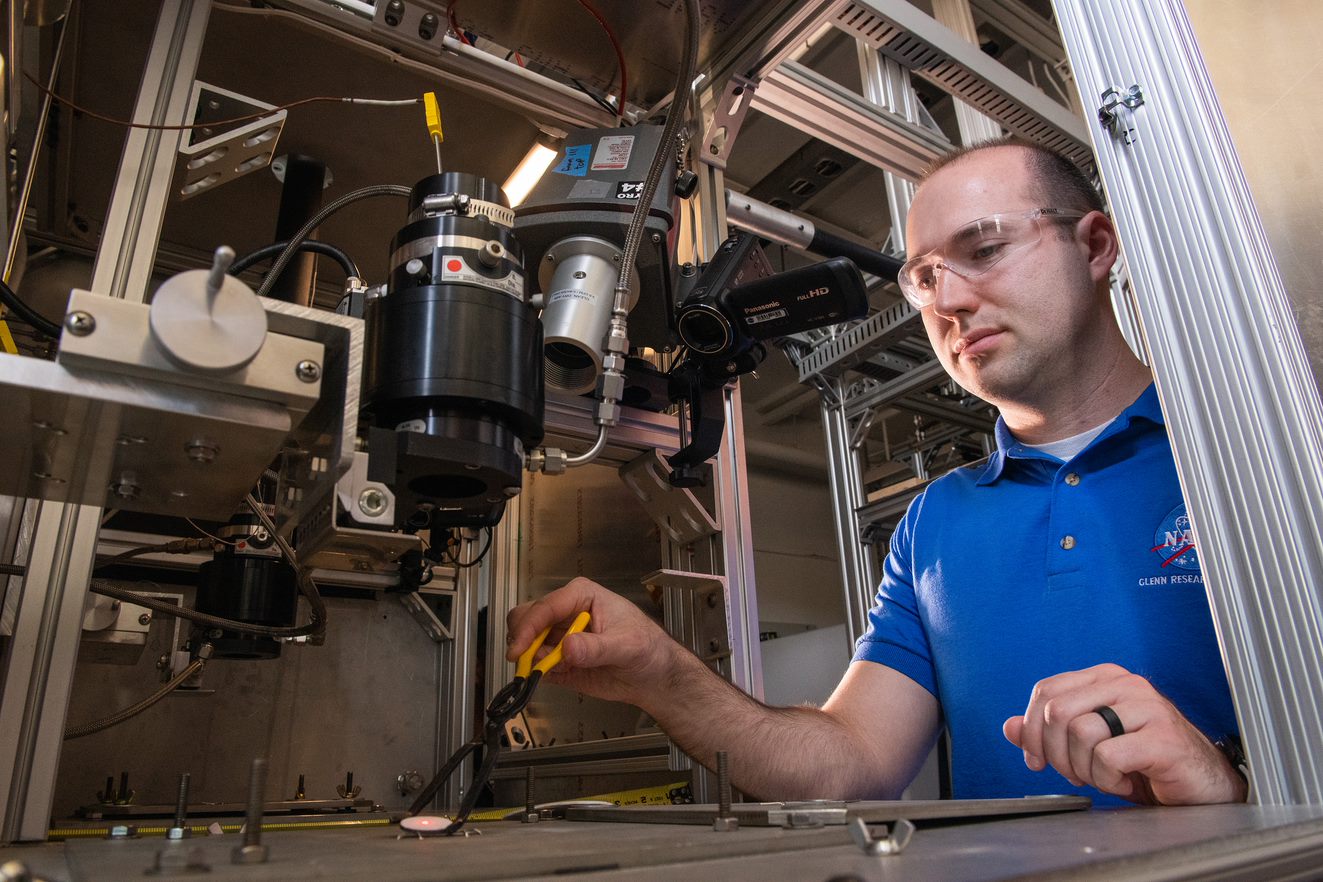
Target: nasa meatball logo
x=1174 y=542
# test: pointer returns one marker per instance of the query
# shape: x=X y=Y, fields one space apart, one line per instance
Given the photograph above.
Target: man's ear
x=1097 y=236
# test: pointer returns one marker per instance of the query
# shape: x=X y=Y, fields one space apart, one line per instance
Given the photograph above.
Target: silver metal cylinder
x=768 y=221
x=578 y=278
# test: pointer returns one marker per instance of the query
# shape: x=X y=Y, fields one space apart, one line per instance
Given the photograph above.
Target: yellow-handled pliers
x=504 y=706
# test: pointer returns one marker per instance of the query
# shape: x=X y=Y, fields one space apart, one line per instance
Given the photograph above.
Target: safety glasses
x=975 y=248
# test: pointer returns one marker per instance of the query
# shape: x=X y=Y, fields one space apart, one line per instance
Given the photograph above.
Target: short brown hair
x=1065 y=185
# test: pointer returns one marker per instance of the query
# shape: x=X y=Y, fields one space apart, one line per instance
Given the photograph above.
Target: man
x=1060 y=573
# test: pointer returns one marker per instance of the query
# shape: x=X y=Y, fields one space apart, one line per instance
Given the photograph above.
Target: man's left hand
x=1161 y=759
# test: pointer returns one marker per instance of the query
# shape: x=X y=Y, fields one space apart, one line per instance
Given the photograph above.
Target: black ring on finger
x=1111 y=719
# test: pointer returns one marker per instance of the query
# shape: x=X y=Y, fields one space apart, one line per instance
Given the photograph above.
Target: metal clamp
x=894 y=842
x=1110 y=117
x=810 y=813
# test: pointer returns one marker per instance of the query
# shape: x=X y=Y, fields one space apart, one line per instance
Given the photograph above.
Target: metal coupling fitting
x=550 y=460
x=617 y=339
x=355 y=285
x=608 y=413
x=613 y=363
x=205 y=651
x=612 y=386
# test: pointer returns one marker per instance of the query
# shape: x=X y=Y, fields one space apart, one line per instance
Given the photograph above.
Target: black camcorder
x=733 y=304
x=737 y=301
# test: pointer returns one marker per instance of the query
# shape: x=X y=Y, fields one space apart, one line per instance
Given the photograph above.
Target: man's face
x=1014 y=332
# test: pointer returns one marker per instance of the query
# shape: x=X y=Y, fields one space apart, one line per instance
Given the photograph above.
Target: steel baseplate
x=820 y=813
x=674 y=509
x=112 y=422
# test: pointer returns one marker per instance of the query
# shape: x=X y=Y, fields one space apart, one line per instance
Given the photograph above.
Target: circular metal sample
x=205 y=333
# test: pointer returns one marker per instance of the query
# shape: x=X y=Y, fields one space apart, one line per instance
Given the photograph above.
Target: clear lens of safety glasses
x=975 y=248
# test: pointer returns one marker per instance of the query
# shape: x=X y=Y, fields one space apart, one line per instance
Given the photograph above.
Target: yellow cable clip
x=433 y=111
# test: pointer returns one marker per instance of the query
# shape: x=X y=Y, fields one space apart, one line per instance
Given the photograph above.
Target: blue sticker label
x=1174 y=541
x=576 y=161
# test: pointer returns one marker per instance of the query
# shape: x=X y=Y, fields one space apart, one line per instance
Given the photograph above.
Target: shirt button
x=1068 y=542
x=1073 y=479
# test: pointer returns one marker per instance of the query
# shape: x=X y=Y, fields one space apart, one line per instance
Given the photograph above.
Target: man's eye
x=925 y=280
x=987 y=251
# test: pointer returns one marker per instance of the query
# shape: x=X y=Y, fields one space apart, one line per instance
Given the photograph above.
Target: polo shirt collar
x=1145 y=407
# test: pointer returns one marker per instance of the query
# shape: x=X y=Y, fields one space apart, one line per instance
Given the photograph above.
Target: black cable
x=487 y=546
x=28 y=314
x=600 y=101
x=315 y=221
x=268 y=251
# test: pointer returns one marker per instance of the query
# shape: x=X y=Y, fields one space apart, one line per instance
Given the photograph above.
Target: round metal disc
x=213 y=337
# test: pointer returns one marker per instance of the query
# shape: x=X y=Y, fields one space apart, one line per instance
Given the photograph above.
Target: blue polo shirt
x=1024 y=566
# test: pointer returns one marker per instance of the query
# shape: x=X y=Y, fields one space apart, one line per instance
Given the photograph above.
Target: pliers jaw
x=505 y=705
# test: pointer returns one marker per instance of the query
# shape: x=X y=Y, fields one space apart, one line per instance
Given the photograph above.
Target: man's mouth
x=977 y=341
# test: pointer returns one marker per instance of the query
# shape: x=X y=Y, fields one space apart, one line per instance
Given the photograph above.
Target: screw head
x=202 y=451
x=308 y=371
x=145 y=619
x=125 y=489
x=79 y=323
x=372 y=502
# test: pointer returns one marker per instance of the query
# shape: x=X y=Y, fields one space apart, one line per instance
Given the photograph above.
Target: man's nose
x=953 y=293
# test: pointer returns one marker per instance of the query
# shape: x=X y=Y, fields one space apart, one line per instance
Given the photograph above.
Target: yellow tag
x=433 y=115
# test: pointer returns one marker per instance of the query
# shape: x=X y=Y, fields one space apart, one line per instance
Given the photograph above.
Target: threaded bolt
x=180 y=828
x=530 y=807
x=723 y=784
x=725 y=820
x=252 y=831
x=253 y=851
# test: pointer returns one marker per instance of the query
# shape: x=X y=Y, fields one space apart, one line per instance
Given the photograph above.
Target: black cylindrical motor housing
x=454 y=357
x=252 y=589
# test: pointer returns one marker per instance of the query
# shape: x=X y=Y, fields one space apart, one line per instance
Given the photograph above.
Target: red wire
x=454 y=23
x=620 y=57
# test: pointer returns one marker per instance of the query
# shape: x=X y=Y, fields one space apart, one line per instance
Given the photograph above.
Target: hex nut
x=726 y=825
x=178 y=833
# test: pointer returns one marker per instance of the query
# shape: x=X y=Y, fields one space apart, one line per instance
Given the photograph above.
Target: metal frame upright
x=38 y=678
x=1241 y=402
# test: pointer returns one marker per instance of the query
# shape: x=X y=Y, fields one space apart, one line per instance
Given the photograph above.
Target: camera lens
x=704 y=330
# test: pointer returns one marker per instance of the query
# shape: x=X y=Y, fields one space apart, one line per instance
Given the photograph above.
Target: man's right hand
x=623 y=656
